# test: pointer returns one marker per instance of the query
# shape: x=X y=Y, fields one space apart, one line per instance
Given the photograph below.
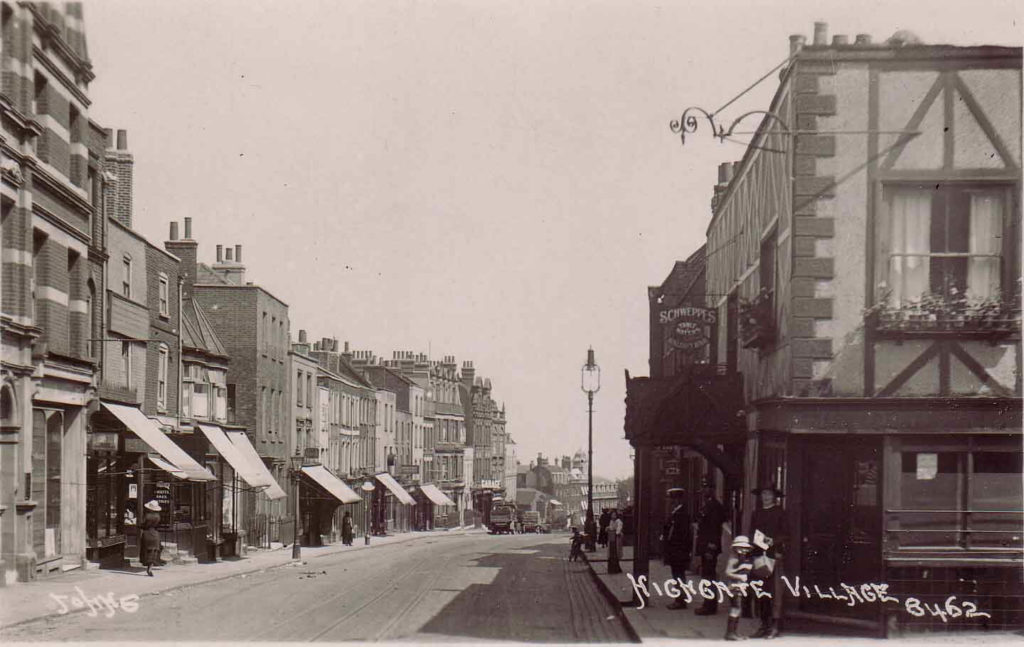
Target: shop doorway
x=841 y=521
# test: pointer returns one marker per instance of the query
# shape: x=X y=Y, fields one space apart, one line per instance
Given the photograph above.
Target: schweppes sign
x=686 y=327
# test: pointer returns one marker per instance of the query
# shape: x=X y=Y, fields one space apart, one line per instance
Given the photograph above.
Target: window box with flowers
x=757 y=321
x=954 y=313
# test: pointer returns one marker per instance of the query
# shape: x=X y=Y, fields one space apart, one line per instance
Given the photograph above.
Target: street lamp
x=294 y=472
x=590 y=382
x=368 y=488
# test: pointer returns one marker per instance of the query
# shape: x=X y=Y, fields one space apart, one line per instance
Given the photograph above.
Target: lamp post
x=294 y=472
x=590 y=382
x=368 y=488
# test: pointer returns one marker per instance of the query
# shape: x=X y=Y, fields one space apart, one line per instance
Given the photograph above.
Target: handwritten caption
x=107 y=604
x=869 y=593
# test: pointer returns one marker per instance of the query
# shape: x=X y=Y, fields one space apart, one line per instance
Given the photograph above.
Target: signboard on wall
x=686 y=328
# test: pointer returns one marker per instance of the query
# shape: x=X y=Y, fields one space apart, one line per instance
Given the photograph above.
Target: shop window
x=960 y=499
x=945 y=242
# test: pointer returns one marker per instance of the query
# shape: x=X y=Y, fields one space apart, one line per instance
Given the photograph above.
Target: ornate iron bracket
x=689 y=122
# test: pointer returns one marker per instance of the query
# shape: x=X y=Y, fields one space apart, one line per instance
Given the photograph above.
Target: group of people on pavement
x=756 y=556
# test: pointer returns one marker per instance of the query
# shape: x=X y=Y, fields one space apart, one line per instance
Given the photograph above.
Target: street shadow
x=527 y=601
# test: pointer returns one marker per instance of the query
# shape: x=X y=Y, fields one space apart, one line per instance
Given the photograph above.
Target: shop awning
x=435 y=495
x=242 y=466
x=396 y=489
x=245 y=448
x=147 y=429
x=167 y=467
x=331 y=483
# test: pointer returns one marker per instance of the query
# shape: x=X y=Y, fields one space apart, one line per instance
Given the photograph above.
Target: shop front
x=149 y=465
x=438 y=507
x=393 y=506
x=923 y=495
x=321 y=494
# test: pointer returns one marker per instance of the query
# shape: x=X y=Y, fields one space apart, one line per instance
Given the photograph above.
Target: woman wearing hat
x=149 y=539
x=768 y=530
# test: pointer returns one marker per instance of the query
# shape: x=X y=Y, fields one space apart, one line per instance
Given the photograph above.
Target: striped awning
x=242 y=466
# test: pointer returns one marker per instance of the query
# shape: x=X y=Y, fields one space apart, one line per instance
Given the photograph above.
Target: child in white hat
x=737 y=571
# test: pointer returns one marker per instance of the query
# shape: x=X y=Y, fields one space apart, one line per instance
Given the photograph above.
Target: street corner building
x=851 y=332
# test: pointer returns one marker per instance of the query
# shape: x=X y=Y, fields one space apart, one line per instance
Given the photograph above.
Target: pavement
x=29 y=601
x=658 y=624
x=427 y=587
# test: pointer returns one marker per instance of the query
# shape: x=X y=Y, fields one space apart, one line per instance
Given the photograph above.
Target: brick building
x=51 y=156
x=253 y=327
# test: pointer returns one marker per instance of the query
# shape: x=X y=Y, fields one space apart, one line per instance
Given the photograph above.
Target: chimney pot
x=174 y=231
x=122 y=140
x=109 y=136
x=346 y=347
x=238 y=253
x=302 y=336
x=840 y=39
x=796 y=43
x=227 y=254
x=821 y=33
x=220 y=253
x=863 y=39
x=188 y=227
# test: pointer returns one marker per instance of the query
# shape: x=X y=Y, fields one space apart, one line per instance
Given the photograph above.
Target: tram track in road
x=301 y=620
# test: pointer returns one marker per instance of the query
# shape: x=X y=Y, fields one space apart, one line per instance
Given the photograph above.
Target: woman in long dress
x=614 y=542
x=346 y=529
x=149 y=537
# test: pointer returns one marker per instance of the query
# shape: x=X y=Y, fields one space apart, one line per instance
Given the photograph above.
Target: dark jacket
x=771 y=522
x=709 y=527
x=678 y=538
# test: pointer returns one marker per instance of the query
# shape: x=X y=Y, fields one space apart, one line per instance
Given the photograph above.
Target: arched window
x=8 y=409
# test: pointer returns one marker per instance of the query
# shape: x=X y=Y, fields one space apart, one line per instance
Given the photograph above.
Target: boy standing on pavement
x=737 y=572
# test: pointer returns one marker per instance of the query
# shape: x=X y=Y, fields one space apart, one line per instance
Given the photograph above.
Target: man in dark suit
x=709 y=538
x=678 y=541
x=768 y=532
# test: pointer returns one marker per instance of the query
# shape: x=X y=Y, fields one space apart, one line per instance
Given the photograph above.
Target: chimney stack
x=187 y=251
x=863 y=39
x=119 y=162
x=821 y=33
x=796 y=43
x=840 y=40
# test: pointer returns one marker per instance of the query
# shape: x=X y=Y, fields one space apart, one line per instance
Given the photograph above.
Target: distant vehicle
x=502 y=516
x=531 y=521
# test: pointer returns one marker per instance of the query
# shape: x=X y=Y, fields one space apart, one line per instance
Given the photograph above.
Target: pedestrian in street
x=614 y=542
x=149 y=537
x=346 y=529
x=576 y=545
x=768 y=529
x=737 y=573
x=602 y=524
x=677 y=541
x=709 y=537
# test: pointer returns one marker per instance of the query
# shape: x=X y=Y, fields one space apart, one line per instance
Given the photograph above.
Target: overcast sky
x=493 y=180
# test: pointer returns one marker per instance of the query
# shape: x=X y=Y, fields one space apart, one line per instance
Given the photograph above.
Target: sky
x=491 y=180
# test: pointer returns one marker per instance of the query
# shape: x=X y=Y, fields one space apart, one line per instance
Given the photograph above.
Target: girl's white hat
x=741 y=541
x=153 y=505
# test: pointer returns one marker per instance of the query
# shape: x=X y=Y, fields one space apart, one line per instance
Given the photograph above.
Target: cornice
x=51 y=35
x=68 y=84
x=59 y=223
x=59 y=187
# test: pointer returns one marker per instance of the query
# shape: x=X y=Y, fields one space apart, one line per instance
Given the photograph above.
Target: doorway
x=841 y=529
